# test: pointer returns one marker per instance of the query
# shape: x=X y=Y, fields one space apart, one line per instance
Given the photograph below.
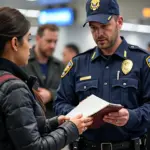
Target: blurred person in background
x=23 y=125
x=115 y=71
x=45 y=66
x=148 y=47
x=70 y=51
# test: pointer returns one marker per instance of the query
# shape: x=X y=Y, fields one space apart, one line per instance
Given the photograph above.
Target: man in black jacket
x=44 y=66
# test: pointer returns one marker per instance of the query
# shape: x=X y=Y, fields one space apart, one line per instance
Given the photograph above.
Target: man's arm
x=50 y=93
x=139 y=118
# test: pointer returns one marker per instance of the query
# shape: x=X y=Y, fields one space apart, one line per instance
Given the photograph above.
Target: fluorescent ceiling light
x=30 y=13
x=136 y=28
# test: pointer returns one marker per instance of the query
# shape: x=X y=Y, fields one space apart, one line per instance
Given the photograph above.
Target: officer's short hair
x=115 y=17
x=50 y=27
x=73 y=47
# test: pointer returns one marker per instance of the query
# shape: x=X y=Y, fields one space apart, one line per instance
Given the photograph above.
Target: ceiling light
x=30 y=13
x=136 y=28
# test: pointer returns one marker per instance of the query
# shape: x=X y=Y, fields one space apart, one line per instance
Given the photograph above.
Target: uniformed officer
x=114 y=71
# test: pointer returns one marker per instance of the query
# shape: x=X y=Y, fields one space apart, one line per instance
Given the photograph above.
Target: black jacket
x=23 y=125
x=51 y=81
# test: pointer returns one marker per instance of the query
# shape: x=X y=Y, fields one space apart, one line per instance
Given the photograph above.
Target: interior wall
x=83 y=38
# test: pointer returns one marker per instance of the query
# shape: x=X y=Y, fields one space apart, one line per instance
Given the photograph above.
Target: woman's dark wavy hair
x=12 y=24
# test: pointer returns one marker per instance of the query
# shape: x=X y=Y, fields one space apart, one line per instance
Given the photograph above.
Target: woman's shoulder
x=14 y=92
x=10 y=83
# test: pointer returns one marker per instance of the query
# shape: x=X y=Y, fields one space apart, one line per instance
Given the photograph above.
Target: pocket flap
x=125 y=83
x=86 y=85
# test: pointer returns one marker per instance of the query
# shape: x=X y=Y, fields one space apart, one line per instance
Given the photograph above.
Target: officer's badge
x=127 y=66
x=95 y=4
x=148 y=61
x=67 y=69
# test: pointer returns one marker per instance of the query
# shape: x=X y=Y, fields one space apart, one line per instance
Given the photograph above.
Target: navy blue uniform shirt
x=131 y=90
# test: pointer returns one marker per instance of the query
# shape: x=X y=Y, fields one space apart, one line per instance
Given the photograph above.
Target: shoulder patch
x=67 y=68
x=148 y=61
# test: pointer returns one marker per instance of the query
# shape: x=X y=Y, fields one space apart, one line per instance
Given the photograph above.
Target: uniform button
x=85 y=87
x=107 y=67
x=124 y=84
x=105 y=83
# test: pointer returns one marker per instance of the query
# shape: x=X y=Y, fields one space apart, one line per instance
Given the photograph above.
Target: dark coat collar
x=8 y=66
x=11 y=67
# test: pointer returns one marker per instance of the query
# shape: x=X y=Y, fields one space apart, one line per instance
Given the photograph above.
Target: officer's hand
x=62 y=119
x=119 y=118
x=45 y=94
x=82 y=123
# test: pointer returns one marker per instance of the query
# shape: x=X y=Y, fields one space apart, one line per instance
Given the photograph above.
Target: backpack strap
x=6 y=77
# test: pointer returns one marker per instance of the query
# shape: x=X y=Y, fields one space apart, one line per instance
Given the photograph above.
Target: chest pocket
x=86 y=88
x=124 y=91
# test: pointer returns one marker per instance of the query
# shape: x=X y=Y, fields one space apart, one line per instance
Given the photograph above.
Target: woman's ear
x=14 y=44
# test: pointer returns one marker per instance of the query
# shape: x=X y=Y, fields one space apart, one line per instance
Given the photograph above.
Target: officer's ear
x=119 y=22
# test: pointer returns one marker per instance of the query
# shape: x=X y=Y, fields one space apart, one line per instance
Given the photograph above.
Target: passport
x=96 y=107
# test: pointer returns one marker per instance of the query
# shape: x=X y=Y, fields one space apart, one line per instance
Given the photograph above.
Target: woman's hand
x=62 y=119
x=82 y=123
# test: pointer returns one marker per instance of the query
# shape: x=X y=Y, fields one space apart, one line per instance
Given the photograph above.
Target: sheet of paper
x=89 y=106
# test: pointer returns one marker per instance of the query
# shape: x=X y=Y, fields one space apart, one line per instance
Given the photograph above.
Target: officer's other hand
x=45 y=95
x=62 y=119
x=119 y=118
x=82 y=123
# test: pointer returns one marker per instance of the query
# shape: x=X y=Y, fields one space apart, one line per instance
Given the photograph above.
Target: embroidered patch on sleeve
x=148 y=61
x=67 y=69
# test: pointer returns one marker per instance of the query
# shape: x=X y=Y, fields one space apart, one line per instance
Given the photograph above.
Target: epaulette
x=137 y=48
x=88 y=51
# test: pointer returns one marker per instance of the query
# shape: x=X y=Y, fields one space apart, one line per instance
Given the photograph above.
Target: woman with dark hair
x=23 y=125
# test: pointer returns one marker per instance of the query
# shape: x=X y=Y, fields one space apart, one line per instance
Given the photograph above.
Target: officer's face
x=105 y=35
x=47 y=42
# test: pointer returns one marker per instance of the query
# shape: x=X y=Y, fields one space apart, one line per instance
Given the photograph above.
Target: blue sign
x=58 y=16
x=53 y=2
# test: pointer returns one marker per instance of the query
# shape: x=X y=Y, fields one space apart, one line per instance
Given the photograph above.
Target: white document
x=90 y=106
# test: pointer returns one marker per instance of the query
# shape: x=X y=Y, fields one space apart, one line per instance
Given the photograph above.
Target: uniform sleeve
x=139 y=118
x=22 y=126
x=66 y=98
